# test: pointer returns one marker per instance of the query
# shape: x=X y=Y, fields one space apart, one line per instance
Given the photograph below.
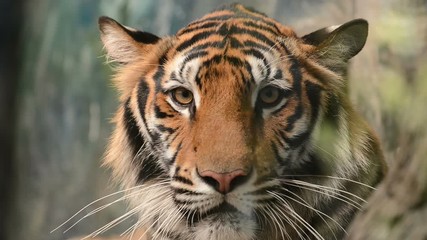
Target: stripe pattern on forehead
x=249 y=32
x=238 y=24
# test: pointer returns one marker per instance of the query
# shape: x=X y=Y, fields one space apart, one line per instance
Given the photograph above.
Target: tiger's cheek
x=185 y=161
x=265 y=163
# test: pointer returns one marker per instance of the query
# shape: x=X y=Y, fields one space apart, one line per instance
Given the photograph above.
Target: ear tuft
x=124 y=44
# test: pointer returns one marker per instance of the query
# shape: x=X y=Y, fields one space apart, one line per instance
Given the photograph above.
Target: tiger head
x=236 y=128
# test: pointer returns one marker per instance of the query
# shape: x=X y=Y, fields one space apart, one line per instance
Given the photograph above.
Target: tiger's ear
x=337 y=44
x=124 y=44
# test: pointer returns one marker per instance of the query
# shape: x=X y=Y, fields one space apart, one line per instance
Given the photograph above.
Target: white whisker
x=332 y=177
x=113 y=223
x=292 y=223
x=133 y=191
x=91 y=203
x=318 y=212
x=282 y=226
x=96 y=210
x=329 y=191
x=154 y=213
x=310 y=228
x=125 y=216
x=273 y=219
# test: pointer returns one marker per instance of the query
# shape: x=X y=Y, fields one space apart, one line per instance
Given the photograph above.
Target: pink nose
x=223 y=182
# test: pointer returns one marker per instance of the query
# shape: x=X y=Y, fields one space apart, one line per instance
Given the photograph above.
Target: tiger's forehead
x=234 y=20
x=236 y=44
x=257 y=68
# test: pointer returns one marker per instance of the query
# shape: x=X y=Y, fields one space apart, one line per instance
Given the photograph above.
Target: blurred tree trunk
x=63 y=106
x=398 y=209
x=10 y=28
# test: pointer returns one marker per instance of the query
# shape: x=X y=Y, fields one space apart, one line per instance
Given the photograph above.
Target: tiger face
x=236 y=128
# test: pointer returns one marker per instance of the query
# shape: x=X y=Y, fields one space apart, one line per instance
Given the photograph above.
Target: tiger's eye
x=269 y=95
x=182 y=96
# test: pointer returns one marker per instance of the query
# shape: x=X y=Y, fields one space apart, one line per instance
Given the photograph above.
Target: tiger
x=237 y=128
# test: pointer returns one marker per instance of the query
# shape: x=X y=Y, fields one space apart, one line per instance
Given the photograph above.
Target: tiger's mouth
x=224 y=207
x=221 y=213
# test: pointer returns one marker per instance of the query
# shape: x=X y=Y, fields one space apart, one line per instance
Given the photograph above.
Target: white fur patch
x=186 y=79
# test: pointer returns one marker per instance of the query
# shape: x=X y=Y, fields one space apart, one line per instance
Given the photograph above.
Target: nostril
x=238 y=180
x=212 y=182
x=224 y=182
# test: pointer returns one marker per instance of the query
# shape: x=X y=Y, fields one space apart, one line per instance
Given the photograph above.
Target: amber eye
x=182 y=96
x=270 y=96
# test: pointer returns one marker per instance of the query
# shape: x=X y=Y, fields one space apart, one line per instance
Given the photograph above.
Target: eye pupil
x=185 y=94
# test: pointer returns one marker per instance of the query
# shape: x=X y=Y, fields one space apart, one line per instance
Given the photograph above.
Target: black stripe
x=237 y=62
x=198 y=79
x=175 y=78
x=143 y=92
x=172 y=160
x=183 y=180
x=294 y=117
x=232 y=31
x=257 y=25
x=195 y=54
x=174 y=136
x=235 y=43
x=259 y=45
x=253 y=33
x=163 y=128
x=210 y=45
x=299 y=139
x=155 y=137
x=210 y=19
x=183 y=202
x=223 y=30
x=295 y=70
x=149 y=169
x=332 y=109
x=279 y=159
x=278 y=75
x=256 y=53
x=313 y=93
x=194 y=39
x=206 y=25
x=136 y=141
x=160 y=71
x=160 y=114
x=279 y=110
x=148 y=165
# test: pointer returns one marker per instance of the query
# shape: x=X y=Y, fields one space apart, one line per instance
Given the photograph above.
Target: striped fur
x=303 y=165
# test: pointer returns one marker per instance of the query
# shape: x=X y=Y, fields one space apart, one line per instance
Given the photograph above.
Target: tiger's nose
x=224 y=182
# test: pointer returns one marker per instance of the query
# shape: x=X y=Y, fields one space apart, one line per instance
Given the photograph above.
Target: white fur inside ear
x=119 y=45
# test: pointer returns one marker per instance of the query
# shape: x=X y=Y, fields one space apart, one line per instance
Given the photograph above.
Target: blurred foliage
x=401 y=37
x=65 y=99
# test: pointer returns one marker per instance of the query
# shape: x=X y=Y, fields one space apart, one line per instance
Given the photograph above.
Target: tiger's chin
x=225 y=225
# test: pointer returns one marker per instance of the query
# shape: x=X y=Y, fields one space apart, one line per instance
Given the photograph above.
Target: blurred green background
x=56 y=100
